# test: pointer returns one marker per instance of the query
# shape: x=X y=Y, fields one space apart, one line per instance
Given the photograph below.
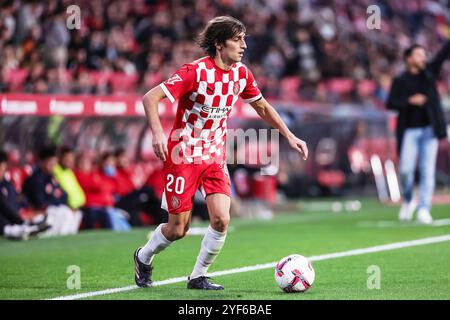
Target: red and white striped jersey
x=206 y=95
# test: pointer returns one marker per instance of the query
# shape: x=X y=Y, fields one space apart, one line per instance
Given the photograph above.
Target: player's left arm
x=268 y=113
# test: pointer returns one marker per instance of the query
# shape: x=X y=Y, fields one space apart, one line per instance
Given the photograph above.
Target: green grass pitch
x=38 y=269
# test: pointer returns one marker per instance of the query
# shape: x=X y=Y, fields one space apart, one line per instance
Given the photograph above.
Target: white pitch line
x=355 y=252
x=396 y=223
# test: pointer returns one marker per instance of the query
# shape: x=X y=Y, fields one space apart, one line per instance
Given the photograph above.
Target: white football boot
x=407 y=211
x=424 y=216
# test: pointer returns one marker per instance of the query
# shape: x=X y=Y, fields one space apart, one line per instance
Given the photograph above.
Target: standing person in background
x=420 y=124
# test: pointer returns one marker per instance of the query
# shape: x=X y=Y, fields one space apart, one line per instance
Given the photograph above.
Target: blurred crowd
x=64 y=191
x=306 y=50
x=61 y=191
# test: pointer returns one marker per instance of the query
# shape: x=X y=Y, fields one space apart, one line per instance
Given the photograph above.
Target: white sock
x=211 y=245
x=156 y=244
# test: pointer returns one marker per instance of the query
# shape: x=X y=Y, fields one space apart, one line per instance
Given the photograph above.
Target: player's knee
x=176 y=232
x=220 y=223
x=186 y=229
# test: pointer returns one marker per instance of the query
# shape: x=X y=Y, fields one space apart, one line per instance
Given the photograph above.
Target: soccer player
x=194 y=154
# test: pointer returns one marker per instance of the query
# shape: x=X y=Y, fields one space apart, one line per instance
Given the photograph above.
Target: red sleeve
x=251 y=91
x=179 y=83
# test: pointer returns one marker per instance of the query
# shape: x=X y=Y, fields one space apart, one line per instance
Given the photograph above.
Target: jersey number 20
x=179 y=184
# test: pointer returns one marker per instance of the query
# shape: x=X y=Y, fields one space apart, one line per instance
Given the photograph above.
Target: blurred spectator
x=64 y=174
x=313 y=41
x=135 y=200
x=4 y=82
x=45 y=195
x=58 y=81
x=36 y=74
x=100 y=188
x=12 y=226
x=8 y=19
x=57 y=36
x=124 y=180
x=82 y=83
x=99 y=194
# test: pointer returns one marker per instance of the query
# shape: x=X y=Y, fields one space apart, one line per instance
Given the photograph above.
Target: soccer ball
x=294 y=273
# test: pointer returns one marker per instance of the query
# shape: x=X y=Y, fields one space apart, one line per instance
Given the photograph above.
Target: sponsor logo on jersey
x=216 y=111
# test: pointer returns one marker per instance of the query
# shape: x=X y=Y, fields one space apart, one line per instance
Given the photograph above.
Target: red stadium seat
x=264 y=188
x=290 y=88
x=366 y=87
x=340 y=85
x=123 y=83
x=100 y=77
x=17 y=79
x=331 y=178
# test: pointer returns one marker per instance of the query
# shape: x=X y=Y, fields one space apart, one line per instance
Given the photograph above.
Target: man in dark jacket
x=45 y=195
x=12 y=226
x=41 y=188
x=420 y=124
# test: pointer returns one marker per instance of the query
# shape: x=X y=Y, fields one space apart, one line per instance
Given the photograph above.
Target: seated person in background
x=131 y=199
x=66 y=177
x=12 y=226
x=45 y=195
x=99 y=188
x=155 y=182
x=99 y=193
x=124 y=179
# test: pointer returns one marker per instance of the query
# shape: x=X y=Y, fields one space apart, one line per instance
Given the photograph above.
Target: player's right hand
x=299 y=145
x=159 y=143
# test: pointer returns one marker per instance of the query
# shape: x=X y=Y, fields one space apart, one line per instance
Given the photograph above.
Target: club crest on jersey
x=236 y=88
x=173 y=79
x=175 y=202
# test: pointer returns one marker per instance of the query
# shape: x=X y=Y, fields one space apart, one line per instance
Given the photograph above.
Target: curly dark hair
x=217 y=31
